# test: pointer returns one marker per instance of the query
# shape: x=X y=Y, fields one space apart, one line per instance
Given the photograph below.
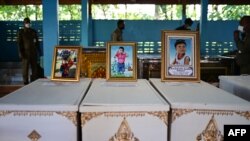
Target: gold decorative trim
x=176 y=113
x=214 y=112
x=162 y=115
x=32 y=113
x=124 y=114
x=69 y=115
x=4 y=113
x=244 y=114
x=34 y=136
x=87 y=116
x=124 y=133
x=26 y=113
x=211 y=133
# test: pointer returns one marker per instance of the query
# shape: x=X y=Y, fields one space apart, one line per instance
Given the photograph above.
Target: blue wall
x=219 y=35
x=8 y=39
x=137 y=30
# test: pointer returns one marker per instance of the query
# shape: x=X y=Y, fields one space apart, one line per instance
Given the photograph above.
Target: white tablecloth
x=237 y=85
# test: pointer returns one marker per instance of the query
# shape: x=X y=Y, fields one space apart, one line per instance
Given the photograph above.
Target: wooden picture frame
x=121 y=67
x=180 y=56
x=66 y=63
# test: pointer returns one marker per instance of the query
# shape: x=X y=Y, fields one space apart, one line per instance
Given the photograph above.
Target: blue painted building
x=216 y=36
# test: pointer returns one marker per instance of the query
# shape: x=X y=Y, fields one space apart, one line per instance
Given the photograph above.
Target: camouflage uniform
x=28 y=46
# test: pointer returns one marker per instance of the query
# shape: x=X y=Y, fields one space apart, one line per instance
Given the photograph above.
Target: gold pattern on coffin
x=69 y=115
x=124 y=133
x=34 y=136
x=93 y=65
x=124 y=114
x=85 y=117
x=32 y=113
x=244 y=114
x=162 y=115
x=179 y=112
x=214 y=112
x=4 y=113
x=211 y=133
x=26 y=113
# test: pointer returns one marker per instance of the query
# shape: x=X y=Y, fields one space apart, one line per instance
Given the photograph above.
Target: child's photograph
x=180 y=61
x=66 y=63
x=121 y=61
x=180 y=56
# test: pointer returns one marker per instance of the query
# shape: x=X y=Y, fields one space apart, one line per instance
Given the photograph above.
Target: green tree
x=228 y=12
x=169 y=12
x=19 y=12
x=70 y=12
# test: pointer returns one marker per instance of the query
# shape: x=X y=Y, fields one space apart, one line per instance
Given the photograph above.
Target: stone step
x=13 y=65
x=11 y=73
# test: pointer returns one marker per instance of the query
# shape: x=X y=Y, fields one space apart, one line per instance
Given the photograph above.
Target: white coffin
x=133 y=110
x=237 y=85
x=43 y=111
x=200 y=110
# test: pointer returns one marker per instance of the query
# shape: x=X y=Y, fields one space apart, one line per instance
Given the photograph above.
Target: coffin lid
x=187 y=95
x=241 y=81
x=46 y=95
x=122 y=96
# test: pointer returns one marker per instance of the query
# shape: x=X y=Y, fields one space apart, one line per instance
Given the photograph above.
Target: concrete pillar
x=50 y=32
x=203 y=25
x=85 y=27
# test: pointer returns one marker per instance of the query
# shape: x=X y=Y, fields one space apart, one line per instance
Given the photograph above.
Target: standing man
x=117 y=34
x=243 y=45
x=28 y=46
x=187 y=24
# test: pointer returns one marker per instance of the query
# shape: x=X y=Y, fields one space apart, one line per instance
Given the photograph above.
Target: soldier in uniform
x=28 y=49
x=243 y=45
x=187 y=24
x=117 y=34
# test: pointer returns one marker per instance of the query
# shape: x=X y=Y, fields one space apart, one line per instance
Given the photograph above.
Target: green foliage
x=34 y=12
x=19 y=12
x=126 y=11
x=168 y=12
x=227 y=12
x=70 y=12
x=193 y=11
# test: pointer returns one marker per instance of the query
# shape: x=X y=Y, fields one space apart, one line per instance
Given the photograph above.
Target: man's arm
x=174 y=62
x=114 y=37
x=37 y=44
x=186 y=60
x=20 y=44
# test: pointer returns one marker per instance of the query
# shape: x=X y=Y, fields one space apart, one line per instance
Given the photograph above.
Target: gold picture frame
x=66 y=63
x=180 y=56
x=121 y=58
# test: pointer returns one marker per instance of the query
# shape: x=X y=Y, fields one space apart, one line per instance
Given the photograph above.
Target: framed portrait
x=121 y=61
x=180 y=56
x=66 y=63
